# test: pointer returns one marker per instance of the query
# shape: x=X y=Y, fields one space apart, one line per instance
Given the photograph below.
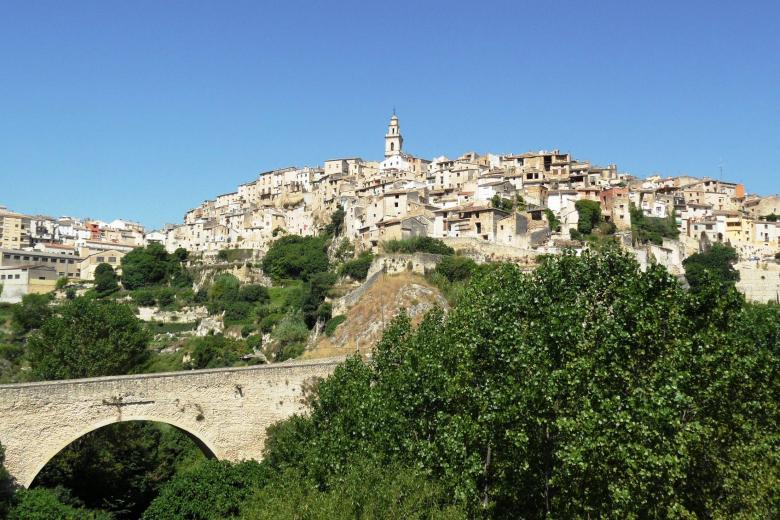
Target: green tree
x=501 y=203
x=357 y=269
x=586 y=388
x=254 y=293
x=224 y=289
x=87 y=338
x=47 y=504
x=105 y=280
x=144 y=267
x=120 y=468
x=295 y=257
x=589 y=215
x=213 y=490
x=456 y=268
x=217 y=351
x=646 y=229
x=715 y=265
x=31 y=313
x=336 y=223
x=181 y=254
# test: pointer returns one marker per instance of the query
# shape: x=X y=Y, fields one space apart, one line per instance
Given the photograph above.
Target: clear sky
x=143 y=109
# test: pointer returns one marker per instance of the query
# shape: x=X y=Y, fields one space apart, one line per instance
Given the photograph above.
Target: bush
x=70 y=293
x=268 y=323
x=31 y=313
x=552 y=220
x=357 y=269
x=713 y=266
x=216 y=351
x=646 y=229
x=607 y=228
x=456 y=268
x=144 y=297
x=61 y=283
x=333 y=323
x=418 y=244
x=166 y=297
x=246 y=330
x=224 y=289
x=324 y=312
x=254 y=293
x=237 y=311
x=574 y=234
x=589 y=215
x=296 y=258
x=212 y=490
x=291 y=335
x=254 y=342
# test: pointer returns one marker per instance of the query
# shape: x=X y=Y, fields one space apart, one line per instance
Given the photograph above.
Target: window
x=2 y=277
x=101 y=259
x=62 y=260
x=112 y=259
x=26 y=258
x=16 y=277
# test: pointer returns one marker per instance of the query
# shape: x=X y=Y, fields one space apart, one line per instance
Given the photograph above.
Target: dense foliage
x=589 y=215
x=717 y=262
x=120 y=468
x=646 y=229
x=105 y=280
x=49 y=504
x=295 y=257
x=336 y=223
x=357 y=268
x=418 y=244
x=587 y=388
x=212 y=490
x=6 y=485
x=153 y=265
x=456 y=268
x=87 y=338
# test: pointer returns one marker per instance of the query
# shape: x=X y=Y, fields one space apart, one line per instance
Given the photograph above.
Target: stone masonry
x=226 y=411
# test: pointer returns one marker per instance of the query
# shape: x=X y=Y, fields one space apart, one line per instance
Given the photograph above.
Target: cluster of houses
x=404 y=196
x=36 y=250
x=525 y=202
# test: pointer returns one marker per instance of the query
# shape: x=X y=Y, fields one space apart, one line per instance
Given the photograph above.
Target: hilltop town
x=508 y=206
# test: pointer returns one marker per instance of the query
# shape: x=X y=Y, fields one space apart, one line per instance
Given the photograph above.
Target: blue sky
x=143 y=109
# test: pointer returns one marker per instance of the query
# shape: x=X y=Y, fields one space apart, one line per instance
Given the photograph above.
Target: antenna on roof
x=393 y=109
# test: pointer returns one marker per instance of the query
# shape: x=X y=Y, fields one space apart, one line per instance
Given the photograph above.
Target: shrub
x=237 y=311
x=254 y=342
x=418 y=244
x=224 y=289
x=456 y=268
x=254 y=293
x=246 y=330
x=166 y=297
x=144 y=297
x=324 y=312
x=717 y=265
x=646 y=229
x=333 y=323
x=552 y=220
x=268 y=323
x=357 y=269
x=61 y=282
x=295 y=257
x=70 y=293
x=589 y=213
x=574 y=234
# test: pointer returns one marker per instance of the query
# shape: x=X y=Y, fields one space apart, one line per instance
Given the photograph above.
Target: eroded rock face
x=374 y=310
x=210 y=323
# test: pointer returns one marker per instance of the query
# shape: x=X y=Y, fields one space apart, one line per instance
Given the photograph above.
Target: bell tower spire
x=393 y=140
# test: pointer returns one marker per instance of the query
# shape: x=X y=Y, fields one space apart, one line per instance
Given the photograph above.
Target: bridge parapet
x=226 y=410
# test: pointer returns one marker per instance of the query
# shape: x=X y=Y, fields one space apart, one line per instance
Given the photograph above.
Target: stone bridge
x=226 y=410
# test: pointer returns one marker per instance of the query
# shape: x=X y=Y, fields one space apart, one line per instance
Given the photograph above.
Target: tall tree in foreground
x=584 y=389
x=87 y=338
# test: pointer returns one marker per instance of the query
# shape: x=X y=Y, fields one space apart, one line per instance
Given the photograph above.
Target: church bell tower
x=393 y=139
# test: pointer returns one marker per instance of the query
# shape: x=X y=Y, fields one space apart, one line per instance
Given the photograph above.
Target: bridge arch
x=226 y=410
x=52 y=450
